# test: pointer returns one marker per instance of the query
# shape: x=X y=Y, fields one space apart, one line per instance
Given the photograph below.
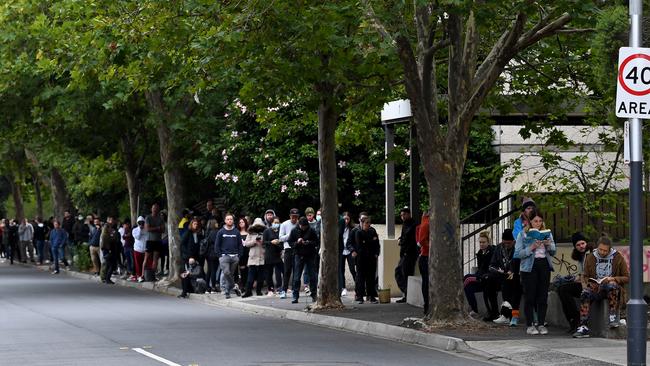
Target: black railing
x=494 y=218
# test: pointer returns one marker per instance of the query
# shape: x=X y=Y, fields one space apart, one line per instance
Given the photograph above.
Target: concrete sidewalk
x=498 y=344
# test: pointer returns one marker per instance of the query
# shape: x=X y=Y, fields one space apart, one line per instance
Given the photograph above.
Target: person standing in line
x=58 y=238
x=139 y=249
x=228 y=248
x=535 y=270
x=352 y=245
x=242 y=270
x=111 y=249
x=408 y=252
x=273 y=257
x=255 y=243
x=368 y=250
x=26 y=235
x=288 y=252
x=315 y=224
x=191 y=242
x=95 y=236
x=40 y=231
x=303 y=240
x=346 y=255
x=154 y=226
x=423 y=260
x=213 y=275
x=128 y=242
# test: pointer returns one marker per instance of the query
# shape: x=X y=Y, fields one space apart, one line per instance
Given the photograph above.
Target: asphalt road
x=59 y=320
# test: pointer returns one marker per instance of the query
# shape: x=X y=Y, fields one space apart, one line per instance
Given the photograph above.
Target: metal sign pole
x=636 y=306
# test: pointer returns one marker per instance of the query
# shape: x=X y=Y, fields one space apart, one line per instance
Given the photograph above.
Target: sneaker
x=140 y=279
x=613 y=321
x=55 y=272
x=344 y=292
x=402 y=300
x=542 y=330
x=514 y=321
x=307 y=291
x=501 y=320
x=227 y=296
x=532 y=330
x=360 y=301
x=582 y=332
x=474 y=315
x=294 y=301
x=373 y=301
x=283 y=295
x=270 y=293
x=237 y=291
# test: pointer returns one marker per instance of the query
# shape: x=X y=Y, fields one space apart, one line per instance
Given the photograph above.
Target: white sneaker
x=501 y=320
x=532 y=330
x=307 y=291
x=542 y=330
x=283 y=295
x=344 y=292
x=270 y=293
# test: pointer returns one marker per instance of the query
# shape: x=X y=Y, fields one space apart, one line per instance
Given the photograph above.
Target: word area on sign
x=633 y=83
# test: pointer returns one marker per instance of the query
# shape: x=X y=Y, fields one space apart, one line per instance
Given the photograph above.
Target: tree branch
x=540 y=31
x=377 y=24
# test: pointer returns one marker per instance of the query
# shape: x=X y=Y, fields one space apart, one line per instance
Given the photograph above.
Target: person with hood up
x=139 y=248
x=605 y=274
x=268 y=217
x=255 y=242
x=273 y=257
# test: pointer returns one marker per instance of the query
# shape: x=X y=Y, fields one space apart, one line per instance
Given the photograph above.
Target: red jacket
x=422 y=235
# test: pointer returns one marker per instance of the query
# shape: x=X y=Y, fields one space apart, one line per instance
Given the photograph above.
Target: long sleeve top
x=228 y=242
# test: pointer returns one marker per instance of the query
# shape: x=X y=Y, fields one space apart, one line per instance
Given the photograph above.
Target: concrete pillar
x=388 y=260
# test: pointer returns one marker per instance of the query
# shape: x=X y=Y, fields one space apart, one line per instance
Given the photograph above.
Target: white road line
x=157 y=358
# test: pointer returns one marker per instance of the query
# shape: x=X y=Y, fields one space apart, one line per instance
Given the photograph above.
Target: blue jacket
x=527 y=256
x=58 y=237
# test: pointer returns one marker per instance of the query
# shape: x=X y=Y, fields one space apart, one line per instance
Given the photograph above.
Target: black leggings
x=535 y=284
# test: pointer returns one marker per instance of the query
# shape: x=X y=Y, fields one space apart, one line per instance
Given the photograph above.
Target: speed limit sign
x=633 y=90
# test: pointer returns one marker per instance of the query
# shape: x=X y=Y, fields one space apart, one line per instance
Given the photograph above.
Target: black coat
x=484 y=260
x=310 y=241
x=367 y=243
x=407 y=243
x=272 y=252
x=189 y=247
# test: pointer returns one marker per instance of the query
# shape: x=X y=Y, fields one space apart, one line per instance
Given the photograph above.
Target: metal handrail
x=511 y=195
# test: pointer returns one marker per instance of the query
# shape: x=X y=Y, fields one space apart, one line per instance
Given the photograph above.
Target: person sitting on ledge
x=604 y=275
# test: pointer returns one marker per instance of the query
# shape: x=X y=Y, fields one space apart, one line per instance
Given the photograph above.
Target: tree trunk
x=39 y=194
x=173 y=182
x=60 y=195
x=328 y=286
x=17 y=194
x=445 y=260
x=132 y=181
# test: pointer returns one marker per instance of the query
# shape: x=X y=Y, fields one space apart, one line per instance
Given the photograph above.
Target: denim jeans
x=40 y=247
x=128 y=260
x=55 y=257
x=304 y=263
x=228 y=265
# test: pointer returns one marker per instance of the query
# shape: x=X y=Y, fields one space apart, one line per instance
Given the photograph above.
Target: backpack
x=203 y=247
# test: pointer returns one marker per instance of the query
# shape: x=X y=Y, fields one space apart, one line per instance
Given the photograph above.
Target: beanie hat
x=527 y=202
x=309 y=210
x=507 y=235
x=576 y=237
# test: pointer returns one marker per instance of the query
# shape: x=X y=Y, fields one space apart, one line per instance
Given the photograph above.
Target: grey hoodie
x=604 y=266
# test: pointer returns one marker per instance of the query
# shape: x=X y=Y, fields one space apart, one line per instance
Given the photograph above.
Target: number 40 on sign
x=633 y=89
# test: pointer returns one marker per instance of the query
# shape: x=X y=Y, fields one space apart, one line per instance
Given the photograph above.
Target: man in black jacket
x=193 y=279
x=408 y=252
x=303 y=239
